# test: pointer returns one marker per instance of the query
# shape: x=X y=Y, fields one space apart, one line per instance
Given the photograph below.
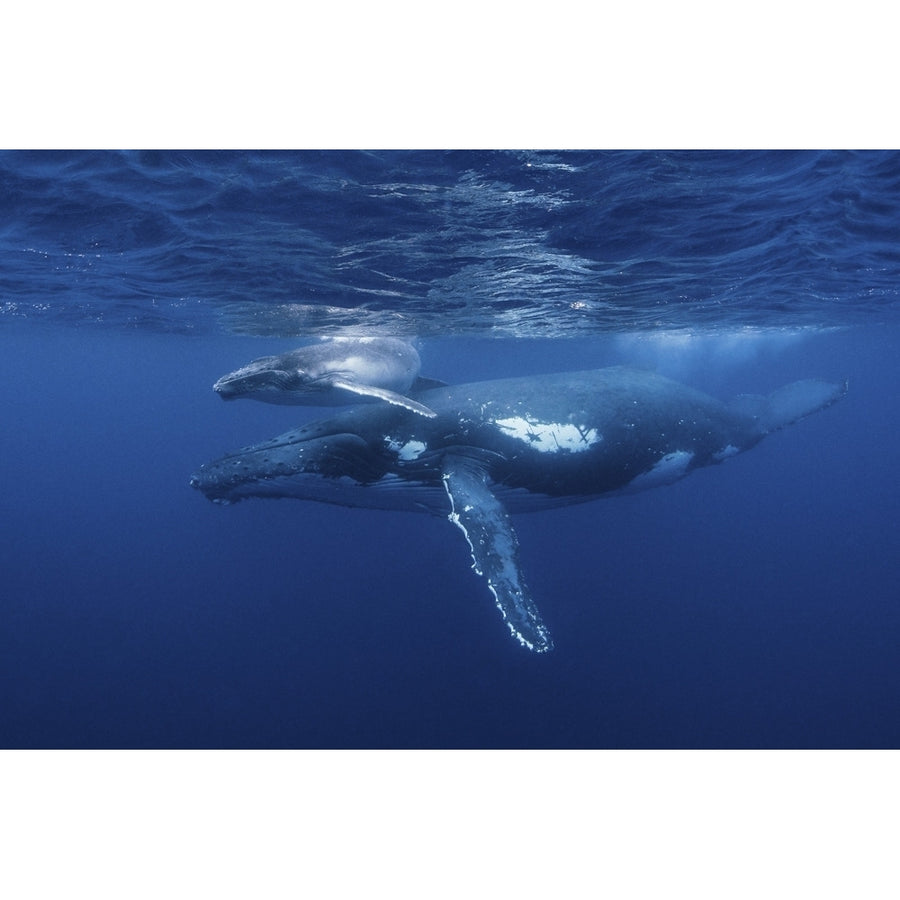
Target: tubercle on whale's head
x=292 y=468
x=267 y=375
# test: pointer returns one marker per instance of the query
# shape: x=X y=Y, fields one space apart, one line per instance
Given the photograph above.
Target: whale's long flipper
x=495 y=549
x=368 y=390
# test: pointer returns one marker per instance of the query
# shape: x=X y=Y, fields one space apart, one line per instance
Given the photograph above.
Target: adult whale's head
x=334 y=372
x=519 y=444
x=309 y=463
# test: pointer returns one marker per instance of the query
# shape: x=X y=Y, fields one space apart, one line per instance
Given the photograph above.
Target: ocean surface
x=750 y=605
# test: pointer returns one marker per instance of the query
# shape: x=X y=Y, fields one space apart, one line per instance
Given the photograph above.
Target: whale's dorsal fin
x=426 y=384
x=495 y=548
x=368 y=390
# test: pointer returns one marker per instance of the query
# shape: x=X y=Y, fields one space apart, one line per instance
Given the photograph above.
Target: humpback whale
x=510 y=445
x=335 y=372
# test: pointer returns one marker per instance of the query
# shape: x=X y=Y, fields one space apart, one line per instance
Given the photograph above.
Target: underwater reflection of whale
x=518 y=444
x=334 y=372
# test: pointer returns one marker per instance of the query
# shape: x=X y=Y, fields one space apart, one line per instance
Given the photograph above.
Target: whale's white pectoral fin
x=495 y=549
x=368 y=390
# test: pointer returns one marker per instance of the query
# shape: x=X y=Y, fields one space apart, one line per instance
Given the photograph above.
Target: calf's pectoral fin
x=495 y=549
x=368 y=390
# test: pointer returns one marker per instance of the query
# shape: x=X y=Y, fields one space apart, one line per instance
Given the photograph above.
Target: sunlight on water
x=681 y=352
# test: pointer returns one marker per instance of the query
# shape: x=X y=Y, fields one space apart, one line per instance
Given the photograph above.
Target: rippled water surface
x=520 y=244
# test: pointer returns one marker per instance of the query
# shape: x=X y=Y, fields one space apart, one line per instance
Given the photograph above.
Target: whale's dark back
x=583 y=433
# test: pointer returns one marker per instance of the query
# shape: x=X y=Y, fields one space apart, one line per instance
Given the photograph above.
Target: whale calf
x=511 y=445
x=334 y=372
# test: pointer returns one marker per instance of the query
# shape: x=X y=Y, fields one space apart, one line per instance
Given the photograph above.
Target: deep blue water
x=753 y=604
